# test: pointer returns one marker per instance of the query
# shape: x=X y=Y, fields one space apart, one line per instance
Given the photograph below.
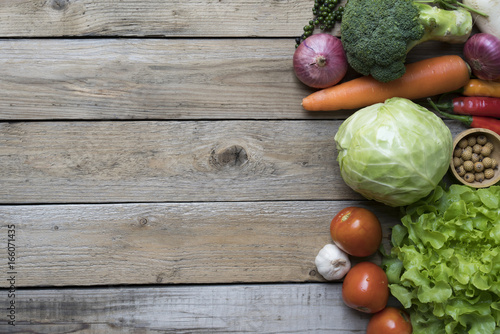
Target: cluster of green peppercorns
x=325 y=15
x=472 y=161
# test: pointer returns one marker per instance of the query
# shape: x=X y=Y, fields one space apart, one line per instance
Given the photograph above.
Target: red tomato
x=356 y=231
x=390 y=321
x=365 y=288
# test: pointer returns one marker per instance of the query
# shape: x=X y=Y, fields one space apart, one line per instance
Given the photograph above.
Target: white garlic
x=332 y=263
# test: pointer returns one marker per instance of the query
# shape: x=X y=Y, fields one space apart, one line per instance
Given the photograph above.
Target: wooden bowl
x=492 y=137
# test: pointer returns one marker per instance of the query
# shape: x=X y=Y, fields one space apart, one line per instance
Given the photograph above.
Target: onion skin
x=482 y=53
x=320 y=61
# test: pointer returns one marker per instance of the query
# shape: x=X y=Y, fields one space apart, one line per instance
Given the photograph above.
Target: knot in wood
x=234 y=155
x=59 y=4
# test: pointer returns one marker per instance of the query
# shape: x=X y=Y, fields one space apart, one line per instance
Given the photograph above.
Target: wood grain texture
x=148 y=79
x=93 y=162
x=172 y=243
x=123 y=79
x=273 y=309
x=214 y=18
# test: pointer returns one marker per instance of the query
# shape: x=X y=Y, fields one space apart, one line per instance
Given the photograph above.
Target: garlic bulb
x=332 y=263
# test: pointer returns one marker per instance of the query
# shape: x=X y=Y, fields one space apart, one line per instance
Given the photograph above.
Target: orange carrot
x=424 y=78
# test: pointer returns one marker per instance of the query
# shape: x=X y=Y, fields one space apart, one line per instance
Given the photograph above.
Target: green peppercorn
x=326 y=13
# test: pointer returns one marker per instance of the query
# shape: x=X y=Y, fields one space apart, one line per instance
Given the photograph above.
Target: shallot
x=482 y=53
x=320 y=61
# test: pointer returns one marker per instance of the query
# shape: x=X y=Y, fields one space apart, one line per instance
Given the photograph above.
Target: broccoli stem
x=451 y=26
x=452 y=4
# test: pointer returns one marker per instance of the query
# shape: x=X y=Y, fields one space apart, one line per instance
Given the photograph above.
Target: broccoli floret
x=378 y=34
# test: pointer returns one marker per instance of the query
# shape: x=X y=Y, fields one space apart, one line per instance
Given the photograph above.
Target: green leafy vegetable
x=394 y=152
x=445 y=261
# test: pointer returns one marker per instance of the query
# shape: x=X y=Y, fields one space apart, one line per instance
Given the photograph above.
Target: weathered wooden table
x=158 y=174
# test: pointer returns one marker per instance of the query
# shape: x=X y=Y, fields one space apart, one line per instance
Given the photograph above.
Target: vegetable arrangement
x=365 y=287
x=445 y=258
x=355 y=231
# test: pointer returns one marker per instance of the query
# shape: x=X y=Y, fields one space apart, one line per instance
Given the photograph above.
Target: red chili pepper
x=475 y=106
x=490 y=123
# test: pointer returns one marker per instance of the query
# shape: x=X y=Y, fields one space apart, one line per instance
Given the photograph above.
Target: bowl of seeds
x=476 y=155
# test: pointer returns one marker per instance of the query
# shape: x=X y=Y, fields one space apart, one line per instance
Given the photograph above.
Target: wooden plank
x=184 y=243
x=286 y=308
x=148 y=79
x=155 y=161
x=92 y=162
x=121 y=79
x=214 y=18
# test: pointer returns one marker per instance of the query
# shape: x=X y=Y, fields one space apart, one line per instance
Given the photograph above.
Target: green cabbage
x=444 y=263
x=394 y=152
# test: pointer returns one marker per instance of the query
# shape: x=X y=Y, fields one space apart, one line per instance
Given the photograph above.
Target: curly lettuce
x=444 y=265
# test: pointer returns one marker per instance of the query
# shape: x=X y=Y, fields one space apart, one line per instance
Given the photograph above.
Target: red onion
x=320 y=61
x=482 y=53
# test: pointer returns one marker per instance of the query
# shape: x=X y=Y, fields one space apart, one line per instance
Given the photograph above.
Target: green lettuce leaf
x=444 y=265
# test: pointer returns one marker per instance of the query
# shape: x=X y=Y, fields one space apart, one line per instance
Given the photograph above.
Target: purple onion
x=482 y=53
x=320 y=61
